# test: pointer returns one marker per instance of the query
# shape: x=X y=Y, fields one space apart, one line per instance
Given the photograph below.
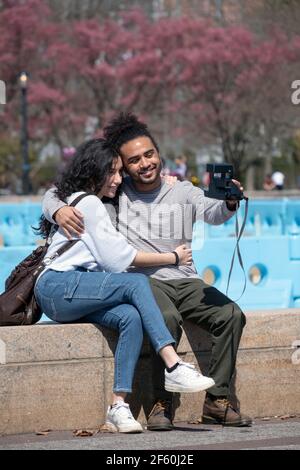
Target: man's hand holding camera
x=222 y=186
x=233 y=205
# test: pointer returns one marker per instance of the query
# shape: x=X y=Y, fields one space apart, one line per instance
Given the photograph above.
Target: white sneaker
x=185 y=378
x=119 y=418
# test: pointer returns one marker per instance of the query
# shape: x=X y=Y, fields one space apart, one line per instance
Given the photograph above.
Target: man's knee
x=231 y=313
x=236 y=315
x=239 y=315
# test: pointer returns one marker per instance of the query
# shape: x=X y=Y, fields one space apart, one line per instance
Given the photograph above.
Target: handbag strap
x=78 y=199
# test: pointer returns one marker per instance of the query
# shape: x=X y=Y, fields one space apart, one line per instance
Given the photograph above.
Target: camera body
x=221 y=185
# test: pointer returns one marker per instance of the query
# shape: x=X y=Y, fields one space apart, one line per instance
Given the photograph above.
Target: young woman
x=87 y=283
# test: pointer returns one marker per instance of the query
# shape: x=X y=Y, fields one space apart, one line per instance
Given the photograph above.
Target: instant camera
x=221 y=185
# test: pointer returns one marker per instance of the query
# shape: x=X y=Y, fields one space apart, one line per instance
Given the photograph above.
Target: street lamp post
x=26 y=184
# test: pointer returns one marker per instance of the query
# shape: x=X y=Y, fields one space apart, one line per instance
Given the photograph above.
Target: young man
x=156 y=217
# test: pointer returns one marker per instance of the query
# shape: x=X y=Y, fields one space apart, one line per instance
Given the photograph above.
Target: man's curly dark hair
x=126 y=127
x=87 y=171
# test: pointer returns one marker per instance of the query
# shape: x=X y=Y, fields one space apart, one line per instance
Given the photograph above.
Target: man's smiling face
x=142 y=162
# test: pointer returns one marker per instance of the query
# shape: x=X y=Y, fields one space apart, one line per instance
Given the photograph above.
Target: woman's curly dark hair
x=125 y=127
x=87 y=172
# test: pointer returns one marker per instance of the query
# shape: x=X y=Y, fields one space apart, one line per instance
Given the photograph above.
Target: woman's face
x=113 y=180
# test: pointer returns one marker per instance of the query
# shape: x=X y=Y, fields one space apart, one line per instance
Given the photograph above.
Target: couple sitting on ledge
x=160 y=288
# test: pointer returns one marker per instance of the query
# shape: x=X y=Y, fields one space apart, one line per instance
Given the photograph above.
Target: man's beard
x=156 y=175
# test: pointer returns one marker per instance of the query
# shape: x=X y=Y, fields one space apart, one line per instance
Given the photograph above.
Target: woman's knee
x=140 y=283
x=131 y=318
x=138 y=278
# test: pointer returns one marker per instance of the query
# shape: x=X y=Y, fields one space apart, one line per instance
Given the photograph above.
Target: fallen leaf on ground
x=43 y=433
x=107 y=428
x=195 y=421
x=287 y=416
x=84 y=433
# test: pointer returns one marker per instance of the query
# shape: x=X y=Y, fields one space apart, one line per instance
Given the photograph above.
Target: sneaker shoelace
x=189 y=366
x=124 y=410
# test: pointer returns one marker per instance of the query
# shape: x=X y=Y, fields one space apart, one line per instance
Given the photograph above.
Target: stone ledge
x=57 y=342
x=60 y=376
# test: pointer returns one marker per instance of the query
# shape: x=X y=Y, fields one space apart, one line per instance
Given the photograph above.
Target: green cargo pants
x=193 y=300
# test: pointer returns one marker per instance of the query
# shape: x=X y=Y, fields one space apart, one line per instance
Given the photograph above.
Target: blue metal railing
x=270 y=248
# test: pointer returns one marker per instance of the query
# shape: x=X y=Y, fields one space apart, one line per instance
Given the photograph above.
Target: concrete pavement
x=271 y=434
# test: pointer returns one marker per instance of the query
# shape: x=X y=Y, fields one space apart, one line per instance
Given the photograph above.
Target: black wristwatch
x=177 y=258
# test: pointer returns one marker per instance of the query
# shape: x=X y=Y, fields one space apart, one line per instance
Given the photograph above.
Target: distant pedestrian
x=268 y=183
x=278 y=179
x=181 y=167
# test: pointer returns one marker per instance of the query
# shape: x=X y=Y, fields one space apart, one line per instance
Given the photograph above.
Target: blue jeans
x=123 y=302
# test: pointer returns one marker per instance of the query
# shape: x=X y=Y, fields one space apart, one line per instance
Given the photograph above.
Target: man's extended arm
x=211 y=211
x=217 y=212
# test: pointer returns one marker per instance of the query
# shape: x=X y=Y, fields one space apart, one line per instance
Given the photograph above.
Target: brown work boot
x=160 y=417
x=218 y=410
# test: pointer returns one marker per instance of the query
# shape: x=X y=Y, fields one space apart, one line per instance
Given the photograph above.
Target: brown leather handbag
x=18 y=305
